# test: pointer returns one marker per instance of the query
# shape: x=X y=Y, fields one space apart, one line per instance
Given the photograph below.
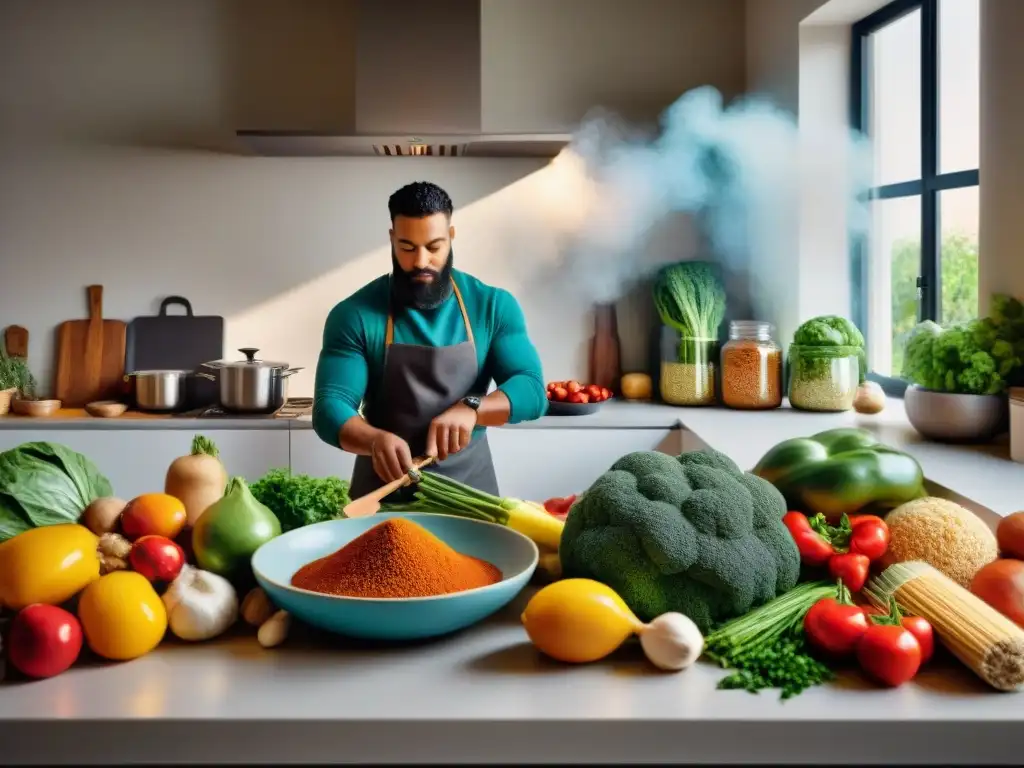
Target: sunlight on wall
x=548 y=204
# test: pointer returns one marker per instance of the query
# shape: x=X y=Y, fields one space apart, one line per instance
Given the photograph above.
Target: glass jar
x=751 y=367
x=687 y=375
x=823 y=378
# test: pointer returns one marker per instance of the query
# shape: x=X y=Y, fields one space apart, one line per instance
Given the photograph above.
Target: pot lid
x=250 y=361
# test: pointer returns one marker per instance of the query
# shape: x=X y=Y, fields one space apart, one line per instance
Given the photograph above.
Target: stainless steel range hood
x=418 y=91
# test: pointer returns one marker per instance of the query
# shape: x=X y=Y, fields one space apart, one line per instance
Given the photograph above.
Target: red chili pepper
x=869 y=536
x=836 y=625
x=813 y=548
x=850 y=568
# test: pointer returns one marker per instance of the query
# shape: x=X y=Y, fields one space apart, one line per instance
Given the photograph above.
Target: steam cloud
x=736 y=170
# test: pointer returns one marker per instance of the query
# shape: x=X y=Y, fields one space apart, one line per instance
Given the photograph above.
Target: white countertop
x=484 y=695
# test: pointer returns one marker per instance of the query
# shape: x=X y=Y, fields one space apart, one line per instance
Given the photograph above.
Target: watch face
x=472 y=402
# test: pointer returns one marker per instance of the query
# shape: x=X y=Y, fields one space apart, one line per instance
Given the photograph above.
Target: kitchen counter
x=982 y=474
x=482 y=696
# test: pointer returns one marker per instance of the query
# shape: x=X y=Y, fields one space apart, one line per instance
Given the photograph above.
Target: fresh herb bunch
x=767 y=648
x=300 y=500
x=690 y=298
x=820 y=341
x=15 y=374
x=980 y=357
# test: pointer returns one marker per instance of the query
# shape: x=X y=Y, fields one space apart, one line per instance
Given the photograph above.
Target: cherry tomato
x=851 y=568
x=579 y=398
x=835 y=627
x=552 y=385
x=559 y=393
x=606 y=394
x=593 y=392
x=922 y=630
x=869 y=537
x=890 y=654
x=550 y=395
x=573 y=386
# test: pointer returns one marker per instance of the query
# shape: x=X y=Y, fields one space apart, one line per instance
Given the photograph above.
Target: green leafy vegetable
x=981 y=357
x=299 y=500
x=821 y=340
x=767 y=647
x=690 y=297
x=46 y=484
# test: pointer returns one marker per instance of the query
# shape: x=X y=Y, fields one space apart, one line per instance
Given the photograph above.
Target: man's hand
x=391 y=456
x=451 y=431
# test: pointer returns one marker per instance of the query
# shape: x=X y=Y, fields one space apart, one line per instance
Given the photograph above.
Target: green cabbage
x=46 y=484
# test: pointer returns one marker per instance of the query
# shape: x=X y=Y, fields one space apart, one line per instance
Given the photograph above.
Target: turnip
x=197 y=480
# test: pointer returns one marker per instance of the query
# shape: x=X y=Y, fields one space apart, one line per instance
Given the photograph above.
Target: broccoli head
x=693 y=534
x=828 y=331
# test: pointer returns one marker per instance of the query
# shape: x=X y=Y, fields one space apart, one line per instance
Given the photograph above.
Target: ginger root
x=113 y=550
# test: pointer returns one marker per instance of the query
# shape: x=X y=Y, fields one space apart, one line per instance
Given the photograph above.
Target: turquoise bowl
x=413 y=618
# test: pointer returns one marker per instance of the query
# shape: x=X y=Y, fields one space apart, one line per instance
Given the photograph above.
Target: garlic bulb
x=672 y=642
x=870 y=398
x=200 y=605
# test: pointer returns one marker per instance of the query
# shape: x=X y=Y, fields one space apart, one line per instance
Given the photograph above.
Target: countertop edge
x=552 y=740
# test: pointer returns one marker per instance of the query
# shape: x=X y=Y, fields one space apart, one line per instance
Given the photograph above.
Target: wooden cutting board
x=16 y=341
x=90 y=356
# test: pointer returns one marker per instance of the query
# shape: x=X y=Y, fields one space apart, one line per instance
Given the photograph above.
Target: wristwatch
x=472 y=401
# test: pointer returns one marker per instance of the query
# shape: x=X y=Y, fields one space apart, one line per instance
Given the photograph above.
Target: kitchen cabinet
x=136 y=460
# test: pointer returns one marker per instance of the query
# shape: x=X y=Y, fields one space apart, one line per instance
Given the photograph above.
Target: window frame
x=926 y=187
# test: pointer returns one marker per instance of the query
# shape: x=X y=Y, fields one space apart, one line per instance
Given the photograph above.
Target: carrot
x=197 y=480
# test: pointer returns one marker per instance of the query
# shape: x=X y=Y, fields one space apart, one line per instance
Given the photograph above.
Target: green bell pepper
x=840 y=471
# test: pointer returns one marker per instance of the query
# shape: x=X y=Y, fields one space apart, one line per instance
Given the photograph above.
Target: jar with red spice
x=751 y=367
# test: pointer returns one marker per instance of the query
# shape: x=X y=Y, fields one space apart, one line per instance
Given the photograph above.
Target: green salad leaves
x=981 y=357
x=299 y=500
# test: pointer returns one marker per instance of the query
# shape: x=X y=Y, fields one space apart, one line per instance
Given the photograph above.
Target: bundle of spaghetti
x=987 y=642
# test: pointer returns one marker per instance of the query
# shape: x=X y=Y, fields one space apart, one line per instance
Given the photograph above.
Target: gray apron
x=418 y=384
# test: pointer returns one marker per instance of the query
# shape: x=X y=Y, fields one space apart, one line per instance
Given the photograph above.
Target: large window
x=916 y=67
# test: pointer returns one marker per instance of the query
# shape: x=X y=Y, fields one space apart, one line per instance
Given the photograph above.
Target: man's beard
x=408 y=292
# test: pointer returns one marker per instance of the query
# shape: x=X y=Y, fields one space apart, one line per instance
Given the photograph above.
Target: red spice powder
x=396 y=558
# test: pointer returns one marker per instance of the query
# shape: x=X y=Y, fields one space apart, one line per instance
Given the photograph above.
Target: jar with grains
x=687 y=374
x=824 y=378
x=751 y=367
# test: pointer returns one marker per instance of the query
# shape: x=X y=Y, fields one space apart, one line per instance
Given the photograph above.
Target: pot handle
x=202 y=375
x=214 y=364
x=289 y=372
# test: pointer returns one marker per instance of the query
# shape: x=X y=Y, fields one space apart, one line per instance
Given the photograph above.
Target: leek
x=442 y=495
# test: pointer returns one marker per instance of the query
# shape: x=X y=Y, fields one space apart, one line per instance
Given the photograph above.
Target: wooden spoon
x=369 y=504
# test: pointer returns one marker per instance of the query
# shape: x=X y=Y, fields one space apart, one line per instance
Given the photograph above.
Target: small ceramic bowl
x=106 y=409
x=35 y=408
x=952 y=418
x=412 y=618
x=560 y=408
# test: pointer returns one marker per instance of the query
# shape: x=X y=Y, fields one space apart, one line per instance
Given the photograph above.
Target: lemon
x=122 y=616
x=578 y=620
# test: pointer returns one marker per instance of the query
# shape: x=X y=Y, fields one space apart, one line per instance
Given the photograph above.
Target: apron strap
x=389 y=335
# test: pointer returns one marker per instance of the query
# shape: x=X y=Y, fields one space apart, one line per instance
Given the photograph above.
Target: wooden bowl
x=35 y=407
x=106 y=409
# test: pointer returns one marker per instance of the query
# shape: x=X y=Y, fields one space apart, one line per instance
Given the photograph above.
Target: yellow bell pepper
x=48 y=565
x=122 y=616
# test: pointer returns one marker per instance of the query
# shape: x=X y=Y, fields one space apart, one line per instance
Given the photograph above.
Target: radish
x=197 y=480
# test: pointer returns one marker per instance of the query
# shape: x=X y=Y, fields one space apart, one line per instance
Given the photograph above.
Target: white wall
x=114 y=118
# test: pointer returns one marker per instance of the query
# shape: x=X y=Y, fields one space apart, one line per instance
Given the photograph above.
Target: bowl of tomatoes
x=571 y=398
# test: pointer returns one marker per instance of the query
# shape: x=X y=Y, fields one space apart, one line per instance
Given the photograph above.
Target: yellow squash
x=48 y=565
x=122 y=616
x=578 y=621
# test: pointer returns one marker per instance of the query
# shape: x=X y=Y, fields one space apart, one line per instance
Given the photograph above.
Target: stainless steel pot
x=251 y=385
x=160 y=390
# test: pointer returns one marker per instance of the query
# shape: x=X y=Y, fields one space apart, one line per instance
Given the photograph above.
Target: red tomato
x=889 y=654
x=851 y=568
x=44 y=640
x=922 y=630
x=560 y=393
x=579 y=398
x=573 y=386
x=606 y=393
x=869 y=537
x=157 y=558
x=835 y=627
x=550 y=396
x=593 y=392
x=552 y=385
